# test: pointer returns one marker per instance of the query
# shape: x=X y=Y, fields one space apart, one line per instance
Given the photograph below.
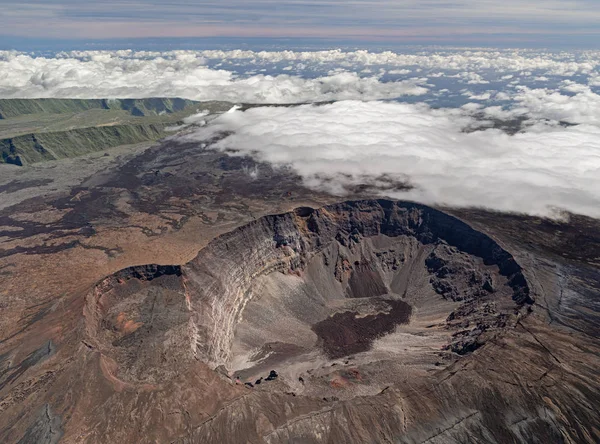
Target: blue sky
x=527 y=23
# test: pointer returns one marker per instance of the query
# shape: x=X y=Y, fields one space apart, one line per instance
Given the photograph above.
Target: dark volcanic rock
x=345 y=333
x=148 y=272
x=46 y=430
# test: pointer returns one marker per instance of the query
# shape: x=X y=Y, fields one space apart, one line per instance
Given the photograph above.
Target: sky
x=506 y=23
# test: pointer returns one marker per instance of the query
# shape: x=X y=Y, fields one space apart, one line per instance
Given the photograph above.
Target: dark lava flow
x=348 y=333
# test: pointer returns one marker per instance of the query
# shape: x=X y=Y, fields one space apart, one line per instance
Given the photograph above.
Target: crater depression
x=312 y=301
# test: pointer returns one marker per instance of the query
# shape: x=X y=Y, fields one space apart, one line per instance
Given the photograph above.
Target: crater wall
x=204 y=300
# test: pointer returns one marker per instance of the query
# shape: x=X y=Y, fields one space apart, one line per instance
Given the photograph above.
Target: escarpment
x=289 y=292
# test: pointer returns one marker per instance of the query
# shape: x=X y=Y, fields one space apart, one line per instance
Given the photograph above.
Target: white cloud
x=501 y=96
x=583 y=107
x=594 y=80
x=123 y=75
x=517 y=61
x=483 y=96
x=353 y=142
x=127 y=73
x=473 y=78
x=574 y=87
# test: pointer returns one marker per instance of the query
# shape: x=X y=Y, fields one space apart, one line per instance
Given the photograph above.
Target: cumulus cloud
x=331 y=146
x=241 y=75
x=583 y=107
x=484 y=96
x=464 y=61
x=472 y=78
x=457 y=60
x=106 y=75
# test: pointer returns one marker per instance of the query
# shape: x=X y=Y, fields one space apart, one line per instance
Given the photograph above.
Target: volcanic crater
x=330 y=302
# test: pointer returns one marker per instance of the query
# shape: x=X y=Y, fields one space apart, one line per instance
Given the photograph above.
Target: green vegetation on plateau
x=136 y=107
x=32 y=148
x=38 y=130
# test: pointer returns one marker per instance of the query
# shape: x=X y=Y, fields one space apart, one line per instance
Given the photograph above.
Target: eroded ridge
x=355 y=280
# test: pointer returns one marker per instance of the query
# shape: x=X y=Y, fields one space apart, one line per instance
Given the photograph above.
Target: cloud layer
x=111 y=75
x=537 y=172
x=443 y=78
x=292 y=77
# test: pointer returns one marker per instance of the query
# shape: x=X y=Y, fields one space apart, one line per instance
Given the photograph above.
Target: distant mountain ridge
x=10 y=108
x=39 y=130
x=40 y=147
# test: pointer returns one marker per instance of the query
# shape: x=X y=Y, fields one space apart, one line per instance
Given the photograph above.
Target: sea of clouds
x=442 y=78
x=436 y=120
x=540 y=171
x=185 y=74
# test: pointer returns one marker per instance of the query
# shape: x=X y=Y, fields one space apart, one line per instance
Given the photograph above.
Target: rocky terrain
x=170 y=293
x=300 y=290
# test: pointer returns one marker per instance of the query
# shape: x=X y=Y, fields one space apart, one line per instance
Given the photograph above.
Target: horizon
x=68 y=24
x=269 y=44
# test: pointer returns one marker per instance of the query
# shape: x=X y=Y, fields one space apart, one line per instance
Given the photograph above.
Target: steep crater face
x=313 y=301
